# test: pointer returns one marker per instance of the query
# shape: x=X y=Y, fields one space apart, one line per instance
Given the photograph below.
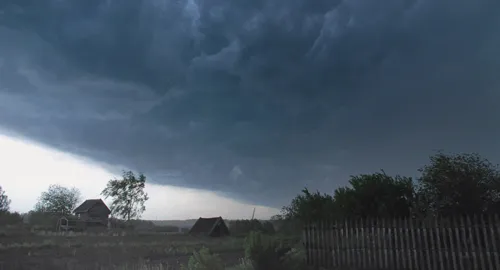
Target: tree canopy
x=128 y=195
x=309 y=206
x=4 y=201
x=459 y=184
x=451 y=184
x=375 y=195
x=58 y=199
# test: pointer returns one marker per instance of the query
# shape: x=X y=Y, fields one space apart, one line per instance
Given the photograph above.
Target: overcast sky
x=250 y=100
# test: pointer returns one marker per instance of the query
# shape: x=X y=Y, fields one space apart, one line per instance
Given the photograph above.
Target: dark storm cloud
x=253 y=98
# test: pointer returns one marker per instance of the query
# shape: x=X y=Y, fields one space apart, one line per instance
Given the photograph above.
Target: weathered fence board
x=460 y=243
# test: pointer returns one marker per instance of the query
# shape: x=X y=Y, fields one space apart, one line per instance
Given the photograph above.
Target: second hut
x=214 y=227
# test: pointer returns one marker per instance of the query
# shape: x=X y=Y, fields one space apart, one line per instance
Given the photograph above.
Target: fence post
x=321 y=244
x=439 y=232
x=383 y=246
x=389 y=244
x=310 y=244
x=357 y=261
x=379 y=240
x=471 y=244
x=317 y=244
x=402 y=243
x=375 y=241
x=463 y=245
x=493 y=225
x=304 y=242
x=364 y=256
x=414 y=244
x=418 y=244
x=336 y=242
x=487 y=246
x=479 y=241
x=373 y=255
x=425 y=235
x=348 y=242
x=406 y=244
x=447 y=238
x=395 y=231
x=343 y=259
x=355 y=235
x=329 y=252
x=326 y=242
x=431 y=230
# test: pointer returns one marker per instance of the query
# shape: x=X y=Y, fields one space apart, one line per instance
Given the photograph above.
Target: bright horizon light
x=30 y=168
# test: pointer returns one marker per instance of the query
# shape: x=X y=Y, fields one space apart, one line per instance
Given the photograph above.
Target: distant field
x=26 y=250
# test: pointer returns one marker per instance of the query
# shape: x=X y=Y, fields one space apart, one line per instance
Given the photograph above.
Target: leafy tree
x=128 y=195
x=58 y=199
x=4 y=201
x=459 y=184
x=309 y=206
x=369 y=195
x=375 y=195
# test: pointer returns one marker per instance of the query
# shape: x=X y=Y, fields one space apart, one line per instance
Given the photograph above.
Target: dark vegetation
x=449 y=185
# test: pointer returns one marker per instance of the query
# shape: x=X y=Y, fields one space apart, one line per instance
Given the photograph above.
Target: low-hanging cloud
x=254 y=99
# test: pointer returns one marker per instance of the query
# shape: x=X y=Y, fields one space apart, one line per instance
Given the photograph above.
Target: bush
x=204 y=260
x=245 y=264
x=10 y=218
x=43 y=220
x=295 y=259
x=262 y=252
x=265 y=252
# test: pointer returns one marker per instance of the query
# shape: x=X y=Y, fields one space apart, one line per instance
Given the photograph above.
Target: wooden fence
x=462 y=243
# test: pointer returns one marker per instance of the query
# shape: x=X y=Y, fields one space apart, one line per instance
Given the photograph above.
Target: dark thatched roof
x=214 y=226
x=88 y=204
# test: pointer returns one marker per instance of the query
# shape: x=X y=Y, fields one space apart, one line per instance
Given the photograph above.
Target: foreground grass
x=109 y=252
x=75 y=251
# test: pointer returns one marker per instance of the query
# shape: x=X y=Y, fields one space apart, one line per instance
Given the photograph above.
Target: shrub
x=43 y=220
x=295 y=259
x=265 y=252
x=245 y=264
x=9 y=218
x=204 y=260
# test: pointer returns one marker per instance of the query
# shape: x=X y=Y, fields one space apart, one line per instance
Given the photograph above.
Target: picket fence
x=461 y=243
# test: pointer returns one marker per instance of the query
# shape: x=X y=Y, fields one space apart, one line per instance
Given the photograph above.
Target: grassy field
x=24 y=249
